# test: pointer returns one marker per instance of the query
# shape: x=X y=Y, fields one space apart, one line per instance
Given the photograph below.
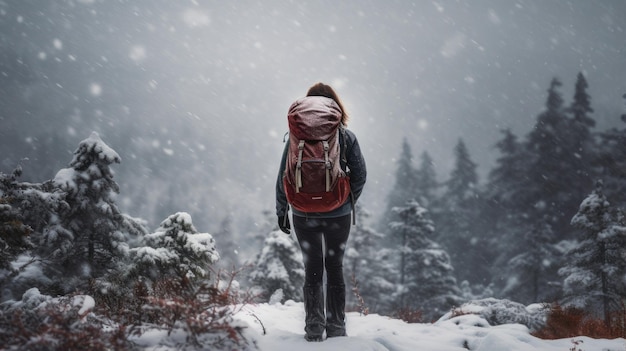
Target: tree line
x=546 y=226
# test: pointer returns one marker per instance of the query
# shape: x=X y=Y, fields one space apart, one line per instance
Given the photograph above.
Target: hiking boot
x=313 y=338
x=314 y=313
x=335 y=311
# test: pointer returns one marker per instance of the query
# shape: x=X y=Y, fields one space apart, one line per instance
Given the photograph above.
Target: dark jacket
x=355 y=167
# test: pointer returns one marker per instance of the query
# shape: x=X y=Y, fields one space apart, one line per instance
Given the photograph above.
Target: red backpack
x=313 y=178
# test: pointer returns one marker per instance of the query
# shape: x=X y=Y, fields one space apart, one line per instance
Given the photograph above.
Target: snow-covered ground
x=280 y=327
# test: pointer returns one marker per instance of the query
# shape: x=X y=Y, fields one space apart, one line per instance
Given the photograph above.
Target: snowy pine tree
x=426 y=184
x=32 y=204
x=227 y=244
x=531 y=273
x=426 y=280
x=175 y=250
x=595 y=269
x=279 y=265
x=550 y=172
x=580 y=132
x=367 y=265
x=579 y=148
x=463 y=179
x=507 y=179
x=15 y=238
x=89 y=234
x=611 y=162
x=458 y=219
x=25 y=210
x=404 y=188
x=504 y=193
x=76 y=233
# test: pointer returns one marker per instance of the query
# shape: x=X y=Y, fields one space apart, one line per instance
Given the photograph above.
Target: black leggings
x=323 y=244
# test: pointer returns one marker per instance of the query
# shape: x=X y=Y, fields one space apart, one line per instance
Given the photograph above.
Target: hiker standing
x=322 y=174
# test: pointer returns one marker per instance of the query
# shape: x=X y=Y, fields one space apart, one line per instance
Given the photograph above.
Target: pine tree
x=426 y=181
x=580 y=146
x=31 y=203
x=89 y=233
x=580 y=108
x=596 y=266
x=404 y=188
x=460 y=229
x=463 y=178
x=532 y=272
x=12 y=228
x=506 y=195
x=175 y=250
x=363 y=241
x=367 y=266
x=279 y=266
x=506 y=190
x=611 y=162
x=549 y=172
x=229 y=250
x=507 y=179
x=14 y=233
x=426 y=274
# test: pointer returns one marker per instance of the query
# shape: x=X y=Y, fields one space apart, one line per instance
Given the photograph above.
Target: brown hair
x=321 y=89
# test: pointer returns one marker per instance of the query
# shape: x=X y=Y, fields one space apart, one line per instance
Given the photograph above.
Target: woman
x=323 y=236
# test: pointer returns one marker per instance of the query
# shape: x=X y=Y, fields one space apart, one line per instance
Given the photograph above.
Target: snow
x=276 y=297
x=195 y=18
x=29 y=268
x=176 y=242
x=86 y=303
x=104 y=151
x=284 y=330
x=137 y=53
x=58 y=44
x=65 y=179
x=276 y=270
x=95 y=89
x=280 y=327
x=182 y=218
x=32 y=298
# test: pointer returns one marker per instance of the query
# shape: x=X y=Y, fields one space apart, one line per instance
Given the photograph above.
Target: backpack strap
x=327 y=163
x=286 y=216
x=344 y=159
x=343 y=145
x=299 y=166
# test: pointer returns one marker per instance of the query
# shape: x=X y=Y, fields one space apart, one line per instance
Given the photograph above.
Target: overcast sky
x=430 y=71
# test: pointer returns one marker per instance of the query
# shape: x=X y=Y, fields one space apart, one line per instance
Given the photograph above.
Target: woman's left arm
x=356 y=164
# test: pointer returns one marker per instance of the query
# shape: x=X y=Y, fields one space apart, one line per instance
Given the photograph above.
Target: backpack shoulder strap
x=343 y=145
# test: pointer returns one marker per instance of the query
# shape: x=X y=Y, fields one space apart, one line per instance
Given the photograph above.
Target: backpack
x=313 y=178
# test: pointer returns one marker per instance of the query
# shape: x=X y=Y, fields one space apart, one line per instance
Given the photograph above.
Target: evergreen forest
x=547 y=226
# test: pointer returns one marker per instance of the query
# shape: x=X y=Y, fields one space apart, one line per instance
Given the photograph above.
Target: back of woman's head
x=321 y=89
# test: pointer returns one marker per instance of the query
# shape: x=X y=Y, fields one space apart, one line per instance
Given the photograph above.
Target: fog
x=193 y=95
